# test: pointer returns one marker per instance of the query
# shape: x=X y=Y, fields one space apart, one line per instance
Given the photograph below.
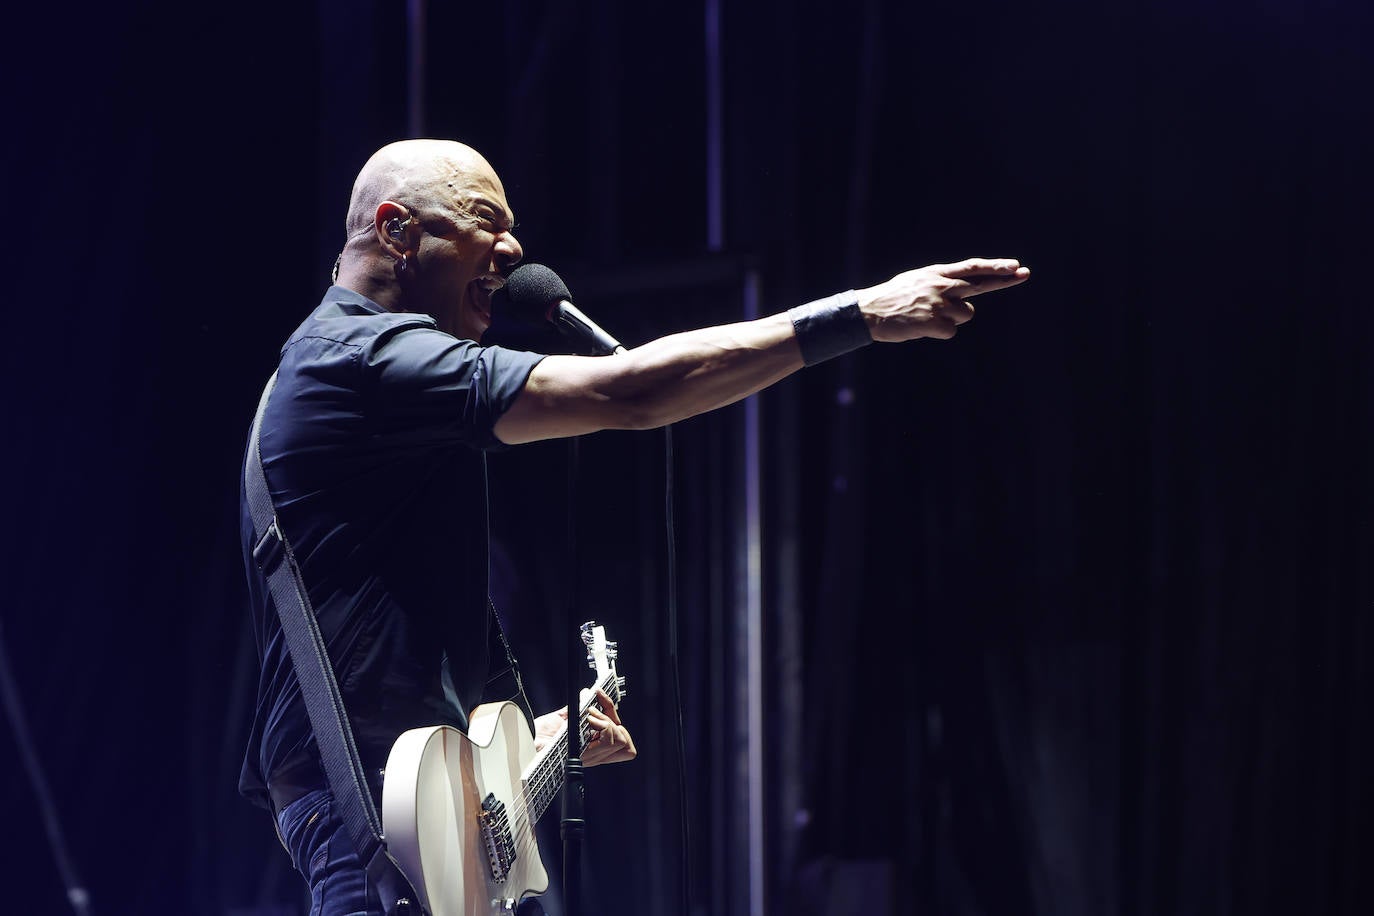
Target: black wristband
x=829 y=327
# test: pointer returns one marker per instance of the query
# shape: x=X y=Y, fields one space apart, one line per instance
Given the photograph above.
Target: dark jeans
x=322 y=852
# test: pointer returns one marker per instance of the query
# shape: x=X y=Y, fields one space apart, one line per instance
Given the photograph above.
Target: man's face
x=466 y=252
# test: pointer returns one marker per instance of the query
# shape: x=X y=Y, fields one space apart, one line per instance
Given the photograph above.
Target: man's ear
x=393 y=227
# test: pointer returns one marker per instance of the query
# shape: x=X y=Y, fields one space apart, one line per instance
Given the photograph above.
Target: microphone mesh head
x=531 y=289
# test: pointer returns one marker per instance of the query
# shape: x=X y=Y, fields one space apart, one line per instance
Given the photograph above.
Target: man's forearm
x=661 y=382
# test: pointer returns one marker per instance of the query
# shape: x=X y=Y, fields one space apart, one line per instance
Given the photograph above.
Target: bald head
x=428 y=175
x=429 y=230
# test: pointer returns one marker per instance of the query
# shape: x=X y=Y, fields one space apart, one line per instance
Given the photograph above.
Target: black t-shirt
x=372 y=446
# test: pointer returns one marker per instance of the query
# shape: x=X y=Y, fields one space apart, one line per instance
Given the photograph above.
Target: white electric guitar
x=458 y=811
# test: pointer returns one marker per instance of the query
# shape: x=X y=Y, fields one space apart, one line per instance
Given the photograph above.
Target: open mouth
x=480 y=291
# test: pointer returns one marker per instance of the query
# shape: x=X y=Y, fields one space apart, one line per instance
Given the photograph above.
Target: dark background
x=1069 y=615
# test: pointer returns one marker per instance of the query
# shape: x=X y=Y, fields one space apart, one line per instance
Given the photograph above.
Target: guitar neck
x=543 y=778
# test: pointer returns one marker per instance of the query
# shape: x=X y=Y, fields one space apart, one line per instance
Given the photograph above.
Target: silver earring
x=404 y=262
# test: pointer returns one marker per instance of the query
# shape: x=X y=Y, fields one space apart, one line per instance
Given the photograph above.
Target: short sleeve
x=424 y=384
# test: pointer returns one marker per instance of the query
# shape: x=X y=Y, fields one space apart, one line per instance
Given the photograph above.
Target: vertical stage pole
x=415 y=68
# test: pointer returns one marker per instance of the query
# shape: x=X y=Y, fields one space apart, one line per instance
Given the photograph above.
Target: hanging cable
x=673 y=667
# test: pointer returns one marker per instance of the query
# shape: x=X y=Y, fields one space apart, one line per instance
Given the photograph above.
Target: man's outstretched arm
x=682 y=375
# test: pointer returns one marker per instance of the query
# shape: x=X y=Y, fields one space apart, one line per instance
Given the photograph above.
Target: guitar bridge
x=496 y=836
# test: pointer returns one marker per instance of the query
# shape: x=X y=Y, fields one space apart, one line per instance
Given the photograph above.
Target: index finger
x=986 y=283
x=974 y=267
x=607 y=706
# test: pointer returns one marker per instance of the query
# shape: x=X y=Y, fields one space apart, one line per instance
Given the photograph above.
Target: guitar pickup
x=496 y=836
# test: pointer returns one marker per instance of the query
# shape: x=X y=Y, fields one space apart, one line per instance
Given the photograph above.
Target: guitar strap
x=320 y=689
x=512 y=666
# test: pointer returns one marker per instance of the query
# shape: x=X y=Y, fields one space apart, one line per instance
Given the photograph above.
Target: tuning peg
x=620 y=687
x=612 y=650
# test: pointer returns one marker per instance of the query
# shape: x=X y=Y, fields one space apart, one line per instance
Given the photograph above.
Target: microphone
x=534 y=293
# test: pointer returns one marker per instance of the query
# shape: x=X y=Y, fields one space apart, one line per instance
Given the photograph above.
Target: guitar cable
x=673 y=667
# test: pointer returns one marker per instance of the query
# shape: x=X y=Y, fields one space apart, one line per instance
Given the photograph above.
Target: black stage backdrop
x=1069 y=615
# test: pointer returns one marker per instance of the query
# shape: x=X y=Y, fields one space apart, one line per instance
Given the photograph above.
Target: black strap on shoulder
x=320 y=689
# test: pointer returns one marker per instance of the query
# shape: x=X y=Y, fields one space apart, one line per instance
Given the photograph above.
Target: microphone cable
x=673 y=667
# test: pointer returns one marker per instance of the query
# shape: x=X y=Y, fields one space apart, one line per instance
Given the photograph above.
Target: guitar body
x=458 y=811
x=440 y=787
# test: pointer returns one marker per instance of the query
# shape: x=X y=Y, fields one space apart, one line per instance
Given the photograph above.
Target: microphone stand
x=574 y=827
x=574 y=824
x=549 y=299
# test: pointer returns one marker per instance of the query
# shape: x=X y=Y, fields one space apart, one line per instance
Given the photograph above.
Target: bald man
x=373 y=449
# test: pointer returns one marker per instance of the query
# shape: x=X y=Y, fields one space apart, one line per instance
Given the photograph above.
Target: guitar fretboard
x=544 y=776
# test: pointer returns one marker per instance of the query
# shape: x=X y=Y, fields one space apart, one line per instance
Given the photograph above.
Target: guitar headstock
x=601 y=658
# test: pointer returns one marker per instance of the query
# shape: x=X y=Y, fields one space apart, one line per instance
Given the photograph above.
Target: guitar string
x=541 y=788
x=523 y=835
x=543 y=776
